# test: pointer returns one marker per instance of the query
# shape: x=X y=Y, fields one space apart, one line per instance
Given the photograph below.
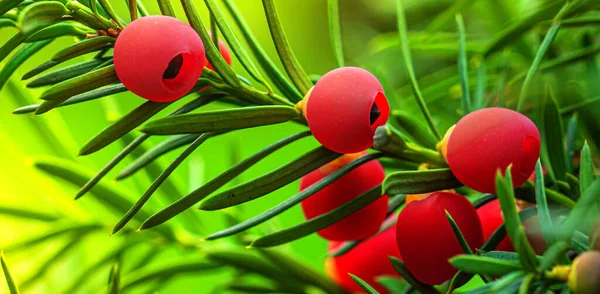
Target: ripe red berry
x=159 y=58
x=224 y=52
x=345 y=107
x=490 y=139
x=425 y=237
x=490 y=216
x=367 y=261
x=363 y=223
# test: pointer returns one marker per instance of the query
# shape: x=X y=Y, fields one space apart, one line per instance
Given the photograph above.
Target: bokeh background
x=370 y=41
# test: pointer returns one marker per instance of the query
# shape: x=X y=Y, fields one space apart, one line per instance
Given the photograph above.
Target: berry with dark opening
x=159 y=58
x=344 y=109
x=584 y=277
x=488 y=140
x=425 y=237
x=363 y=223
x=368 y=261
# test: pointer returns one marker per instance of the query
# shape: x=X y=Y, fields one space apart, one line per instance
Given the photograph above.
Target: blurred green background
x=370 y=41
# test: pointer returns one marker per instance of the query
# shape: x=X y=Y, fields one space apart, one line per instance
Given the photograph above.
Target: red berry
x=344 y=109
x=490 y=216
x=363 y=223
x=425 y=237
x=224 y=52
x=159 y=58
x=367 y=261
x=490 y=139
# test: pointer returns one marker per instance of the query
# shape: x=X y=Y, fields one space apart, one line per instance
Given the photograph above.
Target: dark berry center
x=375 y=113
x=174 y=66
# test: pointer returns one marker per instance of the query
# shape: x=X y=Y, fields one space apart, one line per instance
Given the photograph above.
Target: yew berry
x=425 y=237
x=368 y=260
x=363 y=223
x=345 y=107
x=159 y=58
x=224 y=52
x=490 y=216
x=584 y=277
x=488 y=140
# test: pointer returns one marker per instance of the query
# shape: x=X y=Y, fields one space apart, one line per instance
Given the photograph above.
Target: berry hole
x=176 y=76
x=529 y=155
x=379 y=110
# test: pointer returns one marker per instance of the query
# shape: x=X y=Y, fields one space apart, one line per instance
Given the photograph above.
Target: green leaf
x=123 y=126
x=364 y=285
x=526 y=283
x=11 y=45
x=482 y=86
x=166 y=8
x=83 y=47
x=27 y=214
x=272 y=181
x=459 y=279
x=114 y=279
x=159 y=181
x=289 y=61
x=458 y=234
x=155 y=152
x=580 y=242
x=289 y=203
x=484 y=265
x=570 y=138
x=221 y=120
x=580 y=214
x=57 y=231
x=408 y=63
x=236 y=46
x=553 y=138
x=40 y=15
x=542 y=204
x=392 y=284
x=505 y=194
x=539 y=56
x=4 y=22
x=38 y=69
x=84 y=97
x=217 y=182
x=6 y=5
x=335 y=32
x=105 y=4
x=300 y=271
x=19 y=58
x=81 y=84
x=241 y=260
x=552 y=255
x=418 y=182
x=167 y=269
x=261 y=56
x=509 y=283
x=65 y=73
x=412 y=127
x=463 y=69
x=212 y=52
x=321 y=222
x=586 y=168
x=401 y=269
x=59 y=30
x=107 y=194
x=12 y=286
x=39 y=272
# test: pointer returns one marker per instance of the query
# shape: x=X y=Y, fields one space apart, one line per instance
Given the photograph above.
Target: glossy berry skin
x=490 y=139
x=159 y=58
x=425 y=237
x=367 y=261
x=584 y=277
x=490 y=216
x=340 y=109
x=224 y=52
x=363 y=223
